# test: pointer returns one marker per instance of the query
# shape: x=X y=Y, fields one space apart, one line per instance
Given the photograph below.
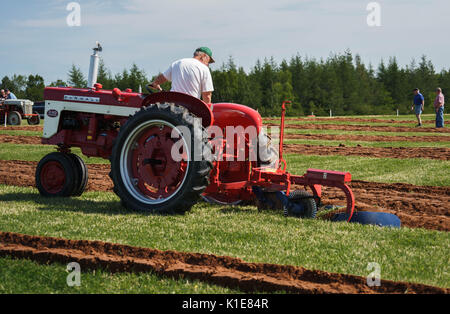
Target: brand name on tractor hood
x=52 y=113
x=81 y=98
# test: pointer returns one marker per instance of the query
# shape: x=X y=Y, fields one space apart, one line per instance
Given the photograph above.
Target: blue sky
x=36 y=38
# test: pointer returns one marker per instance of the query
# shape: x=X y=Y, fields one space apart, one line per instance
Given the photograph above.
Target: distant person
x=2 y=94
x=418 y=105
x=10 y=95
x=439 y=108
x=190 y=75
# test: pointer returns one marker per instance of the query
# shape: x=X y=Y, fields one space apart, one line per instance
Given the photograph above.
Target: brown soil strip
x=36 y=140
x=22 y=173
x=417 y=206
x=331 y=120
x=220 y=270
x=381 y=152
x=24 y=128
x=367 y=138
x=370 y=128
x=18 y=139
x=440 y=153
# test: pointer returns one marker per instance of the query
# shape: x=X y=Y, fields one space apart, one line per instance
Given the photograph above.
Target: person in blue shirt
x=10 y=95
x=418 y=105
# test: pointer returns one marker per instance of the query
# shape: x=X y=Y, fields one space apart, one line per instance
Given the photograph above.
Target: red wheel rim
x=53 y=177
x=154 y=175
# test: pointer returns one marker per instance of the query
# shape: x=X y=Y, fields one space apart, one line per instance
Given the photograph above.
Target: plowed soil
x=14 y=139
x=220 y=270
x=417 y=206
x=38 y=128
x=440 y=153
x=367 y=138
x=381 y=152
x=370 y=128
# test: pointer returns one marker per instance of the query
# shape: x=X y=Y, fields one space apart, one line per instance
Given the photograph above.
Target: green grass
x=20 y=132
x=322 y=121
x=427 y=117
x=414 y=255
x=9 y=151
x=367 y=143
x=418 y=171
x=25 y=276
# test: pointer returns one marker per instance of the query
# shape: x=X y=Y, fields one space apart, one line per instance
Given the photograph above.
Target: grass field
x=406 y=254
x=414 y=255
x=24 y=276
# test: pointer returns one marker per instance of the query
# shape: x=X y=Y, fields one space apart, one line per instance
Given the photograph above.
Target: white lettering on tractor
x=81 y=98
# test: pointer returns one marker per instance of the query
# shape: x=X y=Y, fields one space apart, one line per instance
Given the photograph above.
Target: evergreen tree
x=76 y=77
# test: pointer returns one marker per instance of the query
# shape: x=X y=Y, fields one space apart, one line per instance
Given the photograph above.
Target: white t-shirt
x=189 y=76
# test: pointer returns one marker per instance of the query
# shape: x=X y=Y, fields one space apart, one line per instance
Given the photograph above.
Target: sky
x=36 y=38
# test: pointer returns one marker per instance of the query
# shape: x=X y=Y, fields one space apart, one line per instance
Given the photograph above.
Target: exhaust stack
x=93 y=66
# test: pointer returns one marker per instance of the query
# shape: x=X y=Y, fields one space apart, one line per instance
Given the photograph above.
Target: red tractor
x=136 y=132
x=140 y=135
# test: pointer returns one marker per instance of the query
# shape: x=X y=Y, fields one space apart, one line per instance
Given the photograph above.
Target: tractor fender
x=226 y=114
x=194 y=105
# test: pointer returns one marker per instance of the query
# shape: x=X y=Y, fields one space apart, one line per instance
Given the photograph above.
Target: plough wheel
x=307 y=200
x=145 y=173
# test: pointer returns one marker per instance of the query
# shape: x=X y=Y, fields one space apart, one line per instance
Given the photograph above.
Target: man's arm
x=207 y=97
x=161 y=79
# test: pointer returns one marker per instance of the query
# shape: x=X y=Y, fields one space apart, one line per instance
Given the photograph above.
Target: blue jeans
x=440 y=118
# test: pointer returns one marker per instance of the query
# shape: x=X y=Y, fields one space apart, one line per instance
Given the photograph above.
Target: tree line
x=341 y=83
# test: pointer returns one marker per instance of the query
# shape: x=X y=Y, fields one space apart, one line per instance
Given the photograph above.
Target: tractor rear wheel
x=82 y=172
x=147 y=175
x=14 y=118
x=34 y=120
x=56 y=175
x=307 y=200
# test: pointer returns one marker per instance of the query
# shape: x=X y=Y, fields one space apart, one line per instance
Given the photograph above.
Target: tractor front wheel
x=153 y=163
x=34 y=120
x=14 y=118
x=56 y=175
x=82 y=172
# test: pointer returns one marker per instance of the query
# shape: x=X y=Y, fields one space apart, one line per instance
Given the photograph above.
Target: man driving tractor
x=190 y=75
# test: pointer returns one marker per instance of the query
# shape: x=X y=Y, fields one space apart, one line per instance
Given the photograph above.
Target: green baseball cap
x=207 y=51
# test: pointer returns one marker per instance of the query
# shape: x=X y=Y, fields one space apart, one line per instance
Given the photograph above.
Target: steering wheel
x=151 y=90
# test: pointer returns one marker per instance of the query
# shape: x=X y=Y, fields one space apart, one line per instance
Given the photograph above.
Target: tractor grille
x=28 y=107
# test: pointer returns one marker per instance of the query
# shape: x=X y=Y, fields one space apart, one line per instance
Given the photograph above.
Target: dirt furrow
x=439 y=153
x=417 y=206
x=17 y=139
x=221 y=270
x=331 y=120
x=367 y=138
x=370 y=128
